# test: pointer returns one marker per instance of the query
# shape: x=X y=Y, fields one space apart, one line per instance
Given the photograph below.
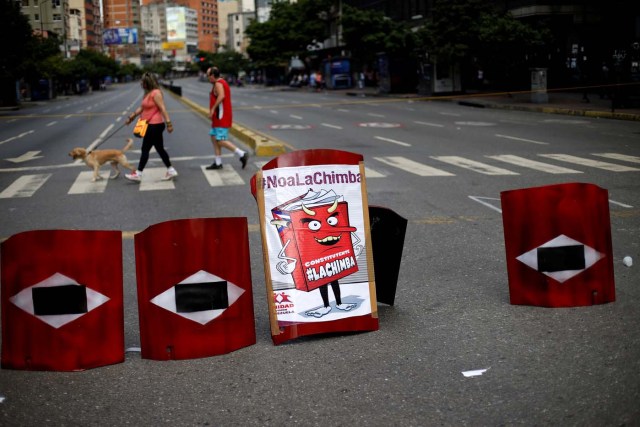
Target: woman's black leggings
x=153 y=138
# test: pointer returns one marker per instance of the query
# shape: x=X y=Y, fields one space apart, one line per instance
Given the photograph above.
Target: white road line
x=221 y=177
x=273 y=112
x=404 y=144
x=67 y=116
x=487 y=204
x=450 y=114
x=619 y=204
x=473 y=165
x=591 y=163
x=375 y=115
x=331 y=126
x=436 y=125
x=16 y=137
x=515 y=138
x=370 y=173
x=51 y=123
x=621 y=157
x=100 y=138
x=25 y=186
x=152 y=180
x=342 y=110
x=84 y=185
x=295 y=117
x=532 y=164
x=412 y=167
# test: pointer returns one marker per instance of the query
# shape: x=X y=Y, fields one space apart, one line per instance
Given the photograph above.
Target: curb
x=262 y=145
x=597 y=114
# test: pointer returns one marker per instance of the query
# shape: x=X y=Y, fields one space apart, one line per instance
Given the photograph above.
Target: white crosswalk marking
x=25 y=186
x=220 y=177
x=412 y=167
x=532 y=164
x=152 y=180
x=260 y=164
x=370 y=173
x=473 y=165
x=28 y=185
x=84 y=185
x=622 y=157
x=589 y=162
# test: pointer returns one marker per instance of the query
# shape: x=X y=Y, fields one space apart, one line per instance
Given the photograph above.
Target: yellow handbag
x=141 y=128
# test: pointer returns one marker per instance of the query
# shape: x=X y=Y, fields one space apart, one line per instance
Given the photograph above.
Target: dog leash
x=108 y=137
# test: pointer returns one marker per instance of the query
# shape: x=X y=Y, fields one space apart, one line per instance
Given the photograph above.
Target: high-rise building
x=233 y=18
x=207 y=20
x=123 y=17
x=49 y=17
x=76 y=22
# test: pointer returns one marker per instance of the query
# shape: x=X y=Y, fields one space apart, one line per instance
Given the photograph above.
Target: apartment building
x=206 y=12
x=124 y=14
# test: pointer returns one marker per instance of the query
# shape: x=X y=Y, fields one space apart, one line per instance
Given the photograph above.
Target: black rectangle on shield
x=59 y=300
x=561 y=258
x=205 y=296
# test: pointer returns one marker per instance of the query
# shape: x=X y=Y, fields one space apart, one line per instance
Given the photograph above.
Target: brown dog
x=95 y=159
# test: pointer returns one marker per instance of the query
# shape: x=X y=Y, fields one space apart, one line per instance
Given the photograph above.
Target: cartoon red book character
x=317 y=249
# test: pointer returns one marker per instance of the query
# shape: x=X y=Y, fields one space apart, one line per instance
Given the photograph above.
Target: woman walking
x=153 y=110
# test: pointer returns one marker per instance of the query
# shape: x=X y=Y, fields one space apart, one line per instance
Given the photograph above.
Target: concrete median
x=262 y=145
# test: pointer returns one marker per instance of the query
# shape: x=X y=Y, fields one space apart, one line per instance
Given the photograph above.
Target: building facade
x=207 y=20
x=588 y=36
x=123 y=14
x=49 y=17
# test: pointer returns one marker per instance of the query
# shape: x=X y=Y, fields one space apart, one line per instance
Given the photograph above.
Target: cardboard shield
x=558 y=245
x=316 y=241
x=194 y=288
x=62 y=304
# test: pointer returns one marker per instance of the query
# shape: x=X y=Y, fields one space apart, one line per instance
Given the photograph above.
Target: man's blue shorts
x=221 y=134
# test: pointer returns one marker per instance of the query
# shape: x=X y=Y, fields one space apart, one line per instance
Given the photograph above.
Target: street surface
x=438 y=164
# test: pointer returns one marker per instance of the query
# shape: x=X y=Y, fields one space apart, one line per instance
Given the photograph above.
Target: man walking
x=221 y=119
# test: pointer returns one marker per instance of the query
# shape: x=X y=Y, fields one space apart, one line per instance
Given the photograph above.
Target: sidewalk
x=564 y=102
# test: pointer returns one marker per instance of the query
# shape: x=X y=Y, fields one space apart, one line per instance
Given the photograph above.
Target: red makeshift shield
x=558 y=245
x=62 y=306
x=194 y=288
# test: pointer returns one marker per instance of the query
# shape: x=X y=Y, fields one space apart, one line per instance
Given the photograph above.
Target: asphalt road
x=435 y=164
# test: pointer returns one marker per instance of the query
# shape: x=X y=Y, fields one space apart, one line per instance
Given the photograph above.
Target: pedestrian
x=221 y=114
x=312 y=80
x=153 y=110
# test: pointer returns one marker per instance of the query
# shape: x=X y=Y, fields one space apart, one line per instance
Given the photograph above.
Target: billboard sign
x=176 y=24
x=112 y=36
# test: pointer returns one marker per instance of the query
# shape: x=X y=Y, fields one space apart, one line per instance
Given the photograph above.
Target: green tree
x=162 y=68
x=473 y=34
x=17 y=35
x=129 y=71
x=98 y=64
x=369 y=32
x=231 y=63
x=292 y=27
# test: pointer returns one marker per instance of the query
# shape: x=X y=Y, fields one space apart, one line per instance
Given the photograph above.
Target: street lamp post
x=64 y=23
x=42 y=18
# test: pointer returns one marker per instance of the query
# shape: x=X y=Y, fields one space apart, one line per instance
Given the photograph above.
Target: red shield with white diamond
x=194 y=288
x=558 y=245
x=62 y=305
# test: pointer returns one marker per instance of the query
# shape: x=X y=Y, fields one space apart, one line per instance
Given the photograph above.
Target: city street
x=440 y=165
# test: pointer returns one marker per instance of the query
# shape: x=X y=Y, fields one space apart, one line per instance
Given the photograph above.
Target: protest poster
x=316 y=240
